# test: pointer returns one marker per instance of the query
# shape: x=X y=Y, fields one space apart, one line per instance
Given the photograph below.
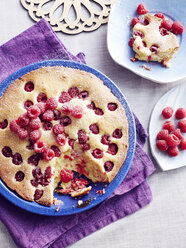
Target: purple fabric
x=30 y=230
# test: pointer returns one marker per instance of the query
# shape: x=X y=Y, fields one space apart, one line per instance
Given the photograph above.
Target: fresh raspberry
x=7 y=151
x=180 y=113
x=112 y=149
x=23 y=120
x=51 y=103
x=85 y=147
x=27 y=104
x=41 y=106
x=94 y=128
x=182 y=125
x=61 y=139
x=64 y=97
x=35 y=123
x=162 y=145
x=66 y=108
x=172 y=140
x=117 y=133
x=42 y=97
x=77 y=112
x=135 y=20
x=19 y=176
x=183 y=144
x=33 y=112
x=162 y=135
x=4 y=124
x=40 y=146
x=108 y=166
x=38 y=194
x=169 y=125
x=112 y=106
x=57 y=115
x=22 y=133
x=56 y=150
x=83 y=94
x=163 y=31
x=131 y=43
x=141 y=9
x=105 y=139
x=71 y=143
x=177 y=27
x=48 y=154
x=178 y=134
x=97 y=153
x=82 y=137
x=48 y=115
x=167 y=112
x=65 y=121
x=14 y=126
x=66 y=175
x=35 y=135
x=98 y=111
x=47 y=125
x=167 y=24
x=73 y=92
x=160 y=15
x=17 y=159
x=173 y=151
x=58 y=129
x=29 y=86
x=91 y=105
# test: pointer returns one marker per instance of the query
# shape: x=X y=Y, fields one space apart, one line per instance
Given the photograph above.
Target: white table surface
x=162 y=224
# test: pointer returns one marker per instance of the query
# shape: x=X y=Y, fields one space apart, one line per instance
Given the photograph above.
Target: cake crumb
x=133 y=59
x=101 y=192
x=57 y=209
x=146 y=67
x=80 y=202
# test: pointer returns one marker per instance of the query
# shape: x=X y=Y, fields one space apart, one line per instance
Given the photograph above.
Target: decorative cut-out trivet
x=70 y=16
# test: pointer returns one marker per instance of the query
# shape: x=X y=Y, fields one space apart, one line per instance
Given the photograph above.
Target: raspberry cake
x=56 y=121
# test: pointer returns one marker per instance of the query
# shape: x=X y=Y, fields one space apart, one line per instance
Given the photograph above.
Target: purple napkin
x=30 y=230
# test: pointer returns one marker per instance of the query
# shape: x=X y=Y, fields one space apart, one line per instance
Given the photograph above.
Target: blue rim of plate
x=72 y=209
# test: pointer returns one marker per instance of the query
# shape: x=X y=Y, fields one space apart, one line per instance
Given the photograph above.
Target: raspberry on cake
x=60 y=121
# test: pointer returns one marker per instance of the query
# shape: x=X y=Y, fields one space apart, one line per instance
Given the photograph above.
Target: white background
x=162 y=224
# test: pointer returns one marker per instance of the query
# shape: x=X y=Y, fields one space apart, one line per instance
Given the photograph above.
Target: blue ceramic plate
x=119 y=33
x=69 y=204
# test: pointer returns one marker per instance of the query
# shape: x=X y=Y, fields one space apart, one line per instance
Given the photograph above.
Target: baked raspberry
x=154 y=49
x=66 y=175
x=42 y=97
x=48 y=173
x=177 y=27
x=108 y=166
x=178 y=134
x=160 y=15
x=48 y=154
x=47 y=125
x=56 y=150
x=172 y=140
x=85 y=147
x=71 y=143
x=30 y=146
x=61 y=139
x=139 y=33
x=105 y=139
x=182 y=125
x=162 y=145
x=57 y=114
x=22 y=133
x=29 y=86
x=64 y=97
x=173 y=151
x=48 y=115
x=98 y=111
x=66 y=108
x=91 y=105
x=183 y=144
x=117 y=133
x=167 y=112
x=144 y=44
x=34 y=182
x=14 y=126
x=77 y=112
x=27 y=104
x=169 y=125
x=163 y=31
x=33 y=111
x=73 y=92
x=35 y=123
x=146 y=22
x=163 y=134
x=35 y=135
x=7 y=151
x=131 y=41
x=141 y=9
x=97 y=153
x=82 y=137
x=38 y=194
x=4 y=124
x=41 y=106
x=65 y=121
x=112 y=149
x=167 y=24
x=58 y=129
x=83 y=94
x=112 y=106
x=35 y=158
x=17 y=159
x=94 y=128
x=40 y=146
x=51 y=103
x=180 y=113
x=19 y=176
x=135 y=20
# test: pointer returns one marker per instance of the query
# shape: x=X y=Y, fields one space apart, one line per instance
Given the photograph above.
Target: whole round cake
x=57 y=123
